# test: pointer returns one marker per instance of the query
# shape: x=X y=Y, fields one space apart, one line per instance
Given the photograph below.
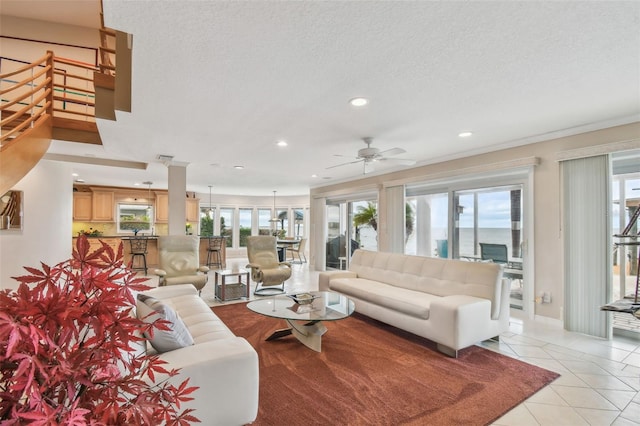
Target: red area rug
x=370 y=373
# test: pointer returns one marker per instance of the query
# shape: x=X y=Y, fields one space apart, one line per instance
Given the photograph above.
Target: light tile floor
x=599 y=382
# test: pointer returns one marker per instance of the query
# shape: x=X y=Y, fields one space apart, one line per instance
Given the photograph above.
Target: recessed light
x=80 y=180
x=136 y=184
x=282 y=143
x=465 y=134
x=74 y=174
x=314 y=176
x=238 y=167
x=358 y=102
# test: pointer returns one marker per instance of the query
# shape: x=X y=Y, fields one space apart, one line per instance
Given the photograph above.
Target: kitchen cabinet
x=162 y=207
x=193 y=210
x=103 y=206
x=82 y=203
x=192 y=206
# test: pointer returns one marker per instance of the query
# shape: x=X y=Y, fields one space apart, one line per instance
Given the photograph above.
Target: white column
x=177 y=199
x=318 y=234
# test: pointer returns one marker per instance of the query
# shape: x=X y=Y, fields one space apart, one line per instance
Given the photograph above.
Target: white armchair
x=266 y=269
x=179 y=258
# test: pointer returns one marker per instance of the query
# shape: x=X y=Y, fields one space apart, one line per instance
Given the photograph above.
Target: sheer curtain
x=586 y=203
x=395 y=211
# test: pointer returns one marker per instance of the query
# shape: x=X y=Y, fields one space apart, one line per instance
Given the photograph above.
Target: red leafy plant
x=68 y=340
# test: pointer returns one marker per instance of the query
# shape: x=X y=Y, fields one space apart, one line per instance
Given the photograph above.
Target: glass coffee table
x=304 y=320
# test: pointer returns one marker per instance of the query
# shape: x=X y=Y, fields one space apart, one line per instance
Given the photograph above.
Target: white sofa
x=453 y=303
x=222 y=365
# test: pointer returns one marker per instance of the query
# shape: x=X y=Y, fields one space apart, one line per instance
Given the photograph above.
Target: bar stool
x=139 y=249
x=215 y=250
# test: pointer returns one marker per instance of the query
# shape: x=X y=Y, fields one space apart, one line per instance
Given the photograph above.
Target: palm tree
x=368 y=216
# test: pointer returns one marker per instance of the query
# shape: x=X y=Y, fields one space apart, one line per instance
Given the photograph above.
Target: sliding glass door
x=472 y=224
x=428 y=232
x=487 y=226
x=626 y=202
x=350 y=225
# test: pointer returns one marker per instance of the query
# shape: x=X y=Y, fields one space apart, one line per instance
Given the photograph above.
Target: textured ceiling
x=217 y=83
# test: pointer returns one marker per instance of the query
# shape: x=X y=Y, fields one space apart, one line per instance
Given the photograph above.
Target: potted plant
x=68 y=355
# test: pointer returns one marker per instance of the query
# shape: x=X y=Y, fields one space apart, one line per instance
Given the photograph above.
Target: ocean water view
x=369 y=240
x=485 y=235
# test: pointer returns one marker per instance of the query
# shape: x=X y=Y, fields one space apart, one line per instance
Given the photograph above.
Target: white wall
x=547 y=245
x=47 y=215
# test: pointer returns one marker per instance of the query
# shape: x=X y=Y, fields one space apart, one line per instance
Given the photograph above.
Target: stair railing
x=73 y=89
x=59 y=87
x=26 y=96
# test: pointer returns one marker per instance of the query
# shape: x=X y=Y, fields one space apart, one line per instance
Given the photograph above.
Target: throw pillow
x=149 y=310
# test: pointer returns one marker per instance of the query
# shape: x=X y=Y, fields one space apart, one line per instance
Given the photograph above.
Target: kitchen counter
x=152 y=247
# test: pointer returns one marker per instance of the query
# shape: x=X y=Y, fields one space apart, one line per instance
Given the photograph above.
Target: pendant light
x=210 y=211
x=274 y=218
x=148 y=183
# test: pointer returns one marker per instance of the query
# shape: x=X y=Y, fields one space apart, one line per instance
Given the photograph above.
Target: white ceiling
x=217 y=83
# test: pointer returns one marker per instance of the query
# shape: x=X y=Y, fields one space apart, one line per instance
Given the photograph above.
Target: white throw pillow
x=150 y=309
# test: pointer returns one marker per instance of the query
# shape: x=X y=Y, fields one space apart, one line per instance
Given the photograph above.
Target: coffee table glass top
x=326 y=306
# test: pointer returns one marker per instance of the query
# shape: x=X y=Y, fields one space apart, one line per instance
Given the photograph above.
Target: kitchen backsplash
x=110 y=229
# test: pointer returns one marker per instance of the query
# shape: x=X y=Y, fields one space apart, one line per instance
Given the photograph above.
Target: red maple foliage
x=68 y=339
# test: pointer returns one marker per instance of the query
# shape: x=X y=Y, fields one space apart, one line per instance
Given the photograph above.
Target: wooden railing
x=107 y=51
x=59 y=87
x=73 y=91
x=56 y=97
x=27 y=97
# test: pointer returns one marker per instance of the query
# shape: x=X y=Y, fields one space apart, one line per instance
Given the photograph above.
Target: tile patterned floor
x=599 y=383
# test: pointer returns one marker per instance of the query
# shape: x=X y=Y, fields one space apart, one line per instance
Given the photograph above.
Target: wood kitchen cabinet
x=162 y=207
x=82 y=203
x=193 y=210
x=192 y=207
x=103 y=206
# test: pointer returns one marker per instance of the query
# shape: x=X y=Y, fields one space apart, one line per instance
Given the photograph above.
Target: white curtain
x=587 y=244
x=395 y=211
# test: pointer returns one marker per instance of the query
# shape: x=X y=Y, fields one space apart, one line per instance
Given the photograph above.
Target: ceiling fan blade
x=392 y=151
x=401 y=161
x=343 y=164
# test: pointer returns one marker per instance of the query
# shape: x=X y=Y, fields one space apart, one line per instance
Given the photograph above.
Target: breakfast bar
x=152 y=247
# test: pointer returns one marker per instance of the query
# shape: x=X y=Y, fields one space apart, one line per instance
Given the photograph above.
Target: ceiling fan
x=370 y=155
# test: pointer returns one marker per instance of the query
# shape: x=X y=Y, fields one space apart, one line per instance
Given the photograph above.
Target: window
x=245 y=219
x=264 y=224
x=364 y=224
x=298 y=223
x=134 y=218
x=283 y=223
x=207 y=215
x=426 y=226
x=226 y=225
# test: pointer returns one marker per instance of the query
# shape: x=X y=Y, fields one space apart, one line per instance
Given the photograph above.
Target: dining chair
x=298 y=249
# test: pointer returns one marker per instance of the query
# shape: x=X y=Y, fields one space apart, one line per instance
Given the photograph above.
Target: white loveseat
x=222 y=365
x=453 y=303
